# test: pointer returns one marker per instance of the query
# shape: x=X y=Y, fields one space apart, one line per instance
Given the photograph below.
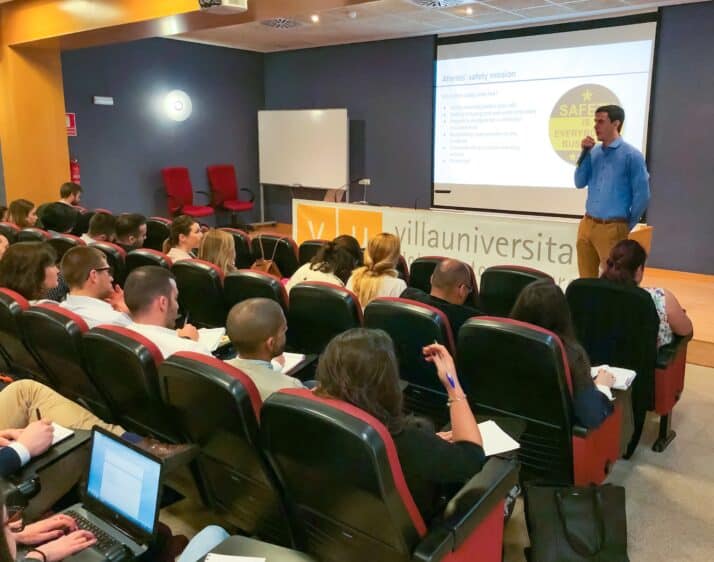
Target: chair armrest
x=668 y=353
x=252 y=195
x=467 y=509
x=206 y=193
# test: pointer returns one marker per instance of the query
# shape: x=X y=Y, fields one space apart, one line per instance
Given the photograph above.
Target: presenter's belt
x=605 y=221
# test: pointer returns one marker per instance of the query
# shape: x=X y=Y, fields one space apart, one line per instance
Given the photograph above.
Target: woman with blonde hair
x=218 y=247
x=378 y=277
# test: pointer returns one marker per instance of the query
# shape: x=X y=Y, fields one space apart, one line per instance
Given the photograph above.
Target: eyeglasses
x=108 y=268
x=15 y=520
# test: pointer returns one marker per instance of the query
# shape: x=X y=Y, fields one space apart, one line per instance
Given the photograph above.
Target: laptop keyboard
x=104 y=540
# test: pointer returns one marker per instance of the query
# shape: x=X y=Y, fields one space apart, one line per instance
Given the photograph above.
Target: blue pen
x=451 y=380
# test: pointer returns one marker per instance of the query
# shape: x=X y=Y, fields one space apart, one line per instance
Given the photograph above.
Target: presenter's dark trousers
x=596 y=237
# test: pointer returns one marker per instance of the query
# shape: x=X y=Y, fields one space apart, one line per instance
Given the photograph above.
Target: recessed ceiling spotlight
x=352 y=14
x=177 y=105
x=469 y=11
x=280 y=23
x=314 y=18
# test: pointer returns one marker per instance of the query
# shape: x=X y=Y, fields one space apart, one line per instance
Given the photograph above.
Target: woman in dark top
x=543 y=303
x=359 y=366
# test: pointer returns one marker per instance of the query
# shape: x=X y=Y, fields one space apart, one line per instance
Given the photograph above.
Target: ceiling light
x=314 y=18
x=177 y=105
x=469 y=11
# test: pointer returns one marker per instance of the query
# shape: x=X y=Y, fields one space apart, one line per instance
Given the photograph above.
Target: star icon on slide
x=587 y=95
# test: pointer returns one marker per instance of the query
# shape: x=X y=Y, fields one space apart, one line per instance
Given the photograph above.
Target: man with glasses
x=91 y=291
x=450 y=287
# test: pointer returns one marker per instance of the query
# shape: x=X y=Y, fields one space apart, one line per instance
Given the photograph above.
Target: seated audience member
x=543 y=304
x=4 y=245
x=58 y=217
x=151 y=295
x=130 y=231
x=626 y=265
x=359 y=366
x=218 y=247
x=184 y=238
x=378 y=277
x=3 y=213
x=50 y=540
x=333 y=263
x=22 y=213
x=91 y=291
x=450 y=287
x=102 y=228
x=29 y=268
x=70 y=193
x=18 y=446
x=256 y=328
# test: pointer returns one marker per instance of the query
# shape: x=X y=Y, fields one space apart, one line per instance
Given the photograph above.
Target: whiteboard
x=305 y=148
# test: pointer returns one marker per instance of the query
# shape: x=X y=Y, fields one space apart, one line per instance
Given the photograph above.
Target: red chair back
x=224 y=186
x=12 y=339
x=177 y=182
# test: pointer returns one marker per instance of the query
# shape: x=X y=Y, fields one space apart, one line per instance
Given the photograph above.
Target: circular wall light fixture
x=177 y=105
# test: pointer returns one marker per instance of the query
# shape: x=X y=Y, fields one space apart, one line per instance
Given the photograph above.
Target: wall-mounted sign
x=71 y=123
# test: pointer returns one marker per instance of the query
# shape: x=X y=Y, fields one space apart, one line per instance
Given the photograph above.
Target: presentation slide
x=510 y=114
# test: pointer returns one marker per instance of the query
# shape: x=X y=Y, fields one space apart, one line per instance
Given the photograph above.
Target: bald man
x=450 y=287
x=256 y=328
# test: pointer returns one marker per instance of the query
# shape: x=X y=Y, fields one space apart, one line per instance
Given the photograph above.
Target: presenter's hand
x=587 y=143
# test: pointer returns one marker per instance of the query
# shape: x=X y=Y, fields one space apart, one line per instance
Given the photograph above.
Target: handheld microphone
x=583 y=154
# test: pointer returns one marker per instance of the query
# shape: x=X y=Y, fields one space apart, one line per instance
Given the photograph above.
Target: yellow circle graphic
x=572 y=118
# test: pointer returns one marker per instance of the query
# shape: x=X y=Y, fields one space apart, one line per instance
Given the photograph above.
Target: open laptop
x=121 y=499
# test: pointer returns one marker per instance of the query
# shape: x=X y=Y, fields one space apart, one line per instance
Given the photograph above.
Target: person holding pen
x=359 y=366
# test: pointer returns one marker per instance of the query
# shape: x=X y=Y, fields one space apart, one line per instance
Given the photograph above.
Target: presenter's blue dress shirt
x=617 y=180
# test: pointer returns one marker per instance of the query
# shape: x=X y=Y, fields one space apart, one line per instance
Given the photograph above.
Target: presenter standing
x=618 y=190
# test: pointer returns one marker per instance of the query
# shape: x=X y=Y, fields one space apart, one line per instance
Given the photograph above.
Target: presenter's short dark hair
x=69 y=188
x=614 y=112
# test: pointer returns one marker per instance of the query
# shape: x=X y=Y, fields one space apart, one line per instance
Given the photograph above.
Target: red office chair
x=180 y=193
x=225 y=192
x=217 y=407
x=54 y=335
x=517 y=370
x=318 y=312
x=248 y=283
x=347 y=497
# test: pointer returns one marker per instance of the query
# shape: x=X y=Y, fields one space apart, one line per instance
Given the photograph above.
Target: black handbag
x=576 y=524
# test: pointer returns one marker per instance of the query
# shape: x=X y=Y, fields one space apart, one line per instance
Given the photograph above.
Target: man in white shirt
x=151 y=295
x=102 y=228
x=256 y=328
x=91 y=292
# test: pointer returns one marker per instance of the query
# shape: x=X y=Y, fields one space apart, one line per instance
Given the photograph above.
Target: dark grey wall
x=680 y=148
x=121 y=149
x=387 y=88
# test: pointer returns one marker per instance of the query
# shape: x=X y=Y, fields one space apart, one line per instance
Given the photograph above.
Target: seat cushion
x=235 y=205
x=196 y=210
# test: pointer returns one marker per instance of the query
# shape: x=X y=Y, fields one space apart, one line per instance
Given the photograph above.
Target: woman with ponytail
x=184 y=238
x=333 y=263
x=626 y=265
x=378 y=277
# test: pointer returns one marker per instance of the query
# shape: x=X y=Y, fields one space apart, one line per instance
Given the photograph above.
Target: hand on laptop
x=46 y=530
x=63 y=547
x=37 y=436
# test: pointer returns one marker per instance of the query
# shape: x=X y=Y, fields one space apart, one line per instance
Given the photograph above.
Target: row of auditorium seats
x=251 y=468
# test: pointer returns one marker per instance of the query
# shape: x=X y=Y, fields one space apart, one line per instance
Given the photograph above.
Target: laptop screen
x=124 y=481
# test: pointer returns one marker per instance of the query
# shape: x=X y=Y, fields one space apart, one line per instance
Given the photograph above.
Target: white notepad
x=495 y=440
x=291 y=361
x=232 y=558
x=211 y=337
x=623 y=377
x=60 y=433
